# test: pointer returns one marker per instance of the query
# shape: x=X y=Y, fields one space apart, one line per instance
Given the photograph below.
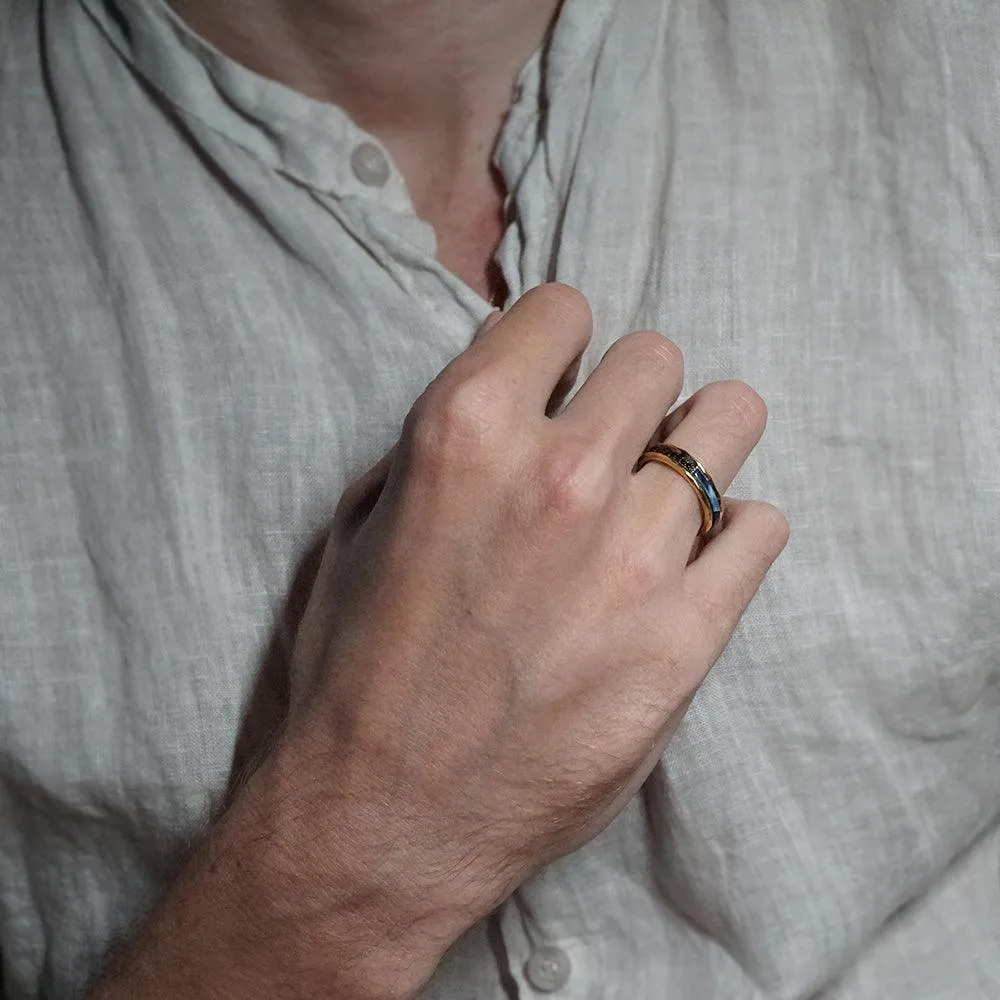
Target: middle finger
x=626 y=395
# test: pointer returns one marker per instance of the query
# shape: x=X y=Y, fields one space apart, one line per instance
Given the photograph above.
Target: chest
x=181 y=418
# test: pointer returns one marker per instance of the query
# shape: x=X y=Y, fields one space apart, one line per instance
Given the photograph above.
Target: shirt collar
x=309 y=140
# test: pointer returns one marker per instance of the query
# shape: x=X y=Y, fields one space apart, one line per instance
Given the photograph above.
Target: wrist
x=330 y=886
x=290 y=898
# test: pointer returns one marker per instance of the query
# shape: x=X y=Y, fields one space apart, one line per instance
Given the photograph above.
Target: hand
x=507 y=624
x=492 y=660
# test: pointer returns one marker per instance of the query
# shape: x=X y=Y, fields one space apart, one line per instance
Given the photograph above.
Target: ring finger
x=719 y=426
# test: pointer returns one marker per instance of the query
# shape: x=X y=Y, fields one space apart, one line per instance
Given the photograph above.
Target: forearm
x=269 y=907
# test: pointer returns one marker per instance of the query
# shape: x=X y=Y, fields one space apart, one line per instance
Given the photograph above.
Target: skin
x=493 y=657
x=506 y=627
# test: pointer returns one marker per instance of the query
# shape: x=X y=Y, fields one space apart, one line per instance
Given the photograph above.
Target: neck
x=403 y=69
x=432 y=79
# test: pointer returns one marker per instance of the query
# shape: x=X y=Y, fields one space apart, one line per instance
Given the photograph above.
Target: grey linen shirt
x=216 y=307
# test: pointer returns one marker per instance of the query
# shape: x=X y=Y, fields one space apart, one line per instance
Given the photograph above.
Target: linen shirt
x=216 y=307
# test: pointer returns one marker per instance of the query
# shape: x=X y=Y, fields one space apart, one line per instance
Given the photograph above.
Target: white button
x=370 y=165
x=548 y=969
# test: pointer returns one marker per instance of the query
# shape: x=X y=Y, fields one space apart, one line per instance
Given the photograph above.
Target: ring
x=709 y=498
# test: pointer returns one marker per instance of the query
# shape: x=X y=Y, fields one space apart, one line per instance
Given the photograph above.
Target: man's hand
x=501 y=638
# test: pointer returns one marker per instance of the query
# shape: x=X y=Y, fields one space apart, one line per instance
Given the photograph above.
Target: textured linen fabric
x=209 y=326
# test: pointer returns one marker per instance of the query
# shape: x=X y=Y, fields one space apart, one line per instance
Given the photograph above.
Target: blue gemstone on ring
x=710 y=492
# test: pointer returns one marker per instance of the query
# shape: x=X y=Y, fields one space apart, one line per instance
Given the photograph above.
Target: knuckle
x=655 y=350
x=745 y=407
x=453 y=421
x=771 y=529
x=574 y=483
x=569 y=305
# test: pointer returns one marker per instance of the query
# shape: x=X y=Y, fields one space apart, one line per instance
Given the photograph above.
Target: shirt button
x=370 y=165
x=548 y=969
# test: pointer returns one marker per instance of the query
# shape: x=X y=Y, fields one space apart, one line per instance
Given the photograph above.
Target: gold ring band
x=693 y=472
